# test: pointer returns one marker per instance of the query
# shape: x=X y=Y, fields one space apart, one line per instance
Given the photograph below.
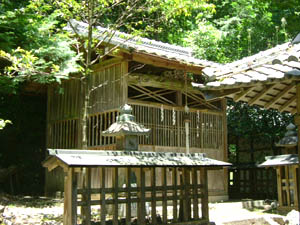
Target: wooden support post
x=87 y=198
x=296 y=193
x=70 y=217
x=103 y=206
x=287 y=185
x=74 y=199
x=153 y=196
x=115 y=196
x=174 y=180
x=128 y=204
x=279 y=186
x=195 y=193
x=186 y=200
x=124 y=82
x=164 y=195
x=225 y=144
x=298 y=133
x=141 y=196
x=204 y=200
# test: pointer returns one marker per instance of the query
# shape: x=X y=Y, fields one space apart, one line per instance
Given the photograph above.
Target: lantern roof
x=126 y=124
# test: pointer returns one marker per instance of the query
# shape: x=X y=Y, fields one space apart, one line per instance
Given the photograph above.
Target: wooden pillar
x=115 y=196
x=103 y=206
x=296 y=193
x=86 y=210
x=186 y=200
x=141 y=196
x=279 y=186
x=164 y=195
x=225 y=147
x=128 y=204
x=195 y=194
x=204 y=200
x=297 y=122
x=124 y=82
x=153 y=196
x=174 y=180
x=70 y=199
x=287 y=185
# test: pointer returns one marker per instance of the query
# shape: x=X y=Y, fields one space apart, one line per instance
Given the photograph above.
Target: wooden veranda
x=178 y=196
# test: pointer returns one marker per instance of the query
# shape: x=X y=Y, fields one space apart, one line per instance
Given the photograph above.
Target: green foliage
x=37 y=49
x=241 y=28
x=246 y=121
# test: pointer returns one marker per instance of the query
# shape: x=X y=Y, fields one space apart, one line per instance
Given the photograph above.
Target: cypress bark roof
x=83 y=158
x=280 y=160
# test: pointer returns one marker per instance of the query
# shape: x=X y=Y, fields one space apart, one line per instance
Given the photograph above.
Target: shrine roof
x=100 y=158
x=142 y=45
x=280 y=160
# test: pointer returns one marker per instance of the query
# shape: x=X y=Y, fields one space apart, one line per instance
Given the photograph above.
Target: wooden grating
x=179 y=191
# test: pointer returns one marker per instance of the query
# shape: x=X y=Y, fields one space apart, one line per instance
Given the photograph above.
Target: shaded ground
x=46 y=211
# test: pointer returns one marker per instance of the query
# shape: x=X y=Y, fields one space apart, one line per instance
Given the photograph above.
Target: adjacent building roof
x=280 y=160
x=90 y=158
x=265 y=79
x=142 y=45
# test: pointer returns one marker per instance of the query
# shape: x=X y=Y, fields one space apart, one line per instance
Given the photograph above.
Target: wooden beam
x=261 y=94
x=146 y=80
x=276 y=98
x=288 y=103
x=202 y=101
x=166 y=63
x=158 y=105
x=243 y=93
x=152 y=94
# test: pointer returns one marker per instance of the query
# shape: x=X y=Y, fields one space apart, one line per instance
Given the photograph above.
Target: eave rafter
x=243 y=93
x=260 y=94
x=277 y=97
x=288 y=103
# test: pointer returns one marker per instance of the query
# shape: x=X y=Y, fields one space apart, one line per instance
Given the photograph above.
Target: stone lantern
x=290 y=140
x=126 y=130
x=287 y=168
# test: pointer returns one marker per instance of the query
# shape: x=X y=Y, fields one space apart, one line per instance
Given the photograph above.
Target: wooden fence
x=180 y=197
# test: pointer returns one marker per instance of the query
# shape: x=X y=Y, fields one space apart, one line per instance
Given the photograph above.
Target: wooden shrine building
x=287 y=170
x=156 y=80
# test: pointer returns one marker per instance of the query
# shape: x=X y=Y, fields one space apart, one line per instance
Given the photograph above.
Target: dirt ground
x=38 y=210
